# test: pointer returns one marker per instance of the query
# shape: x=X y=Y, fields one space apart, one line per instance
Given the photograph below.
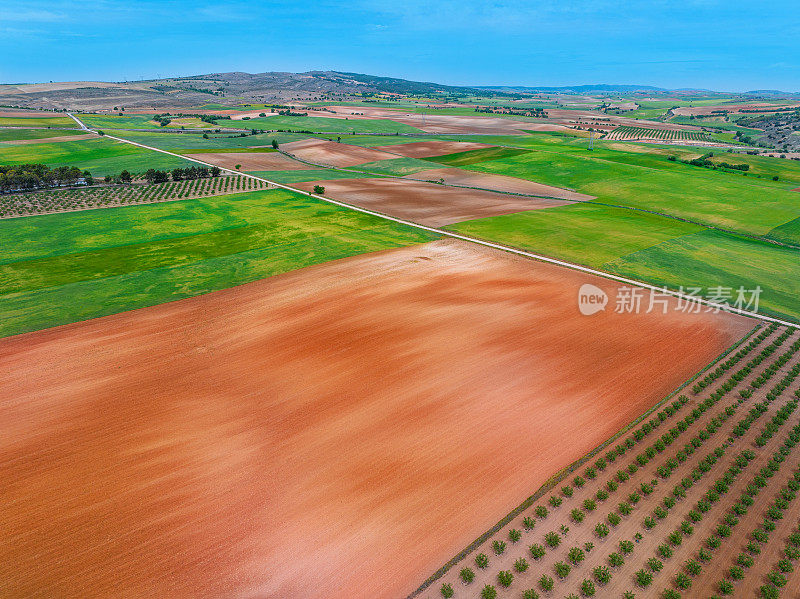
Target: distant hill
x=218 y=88
x=580 y=89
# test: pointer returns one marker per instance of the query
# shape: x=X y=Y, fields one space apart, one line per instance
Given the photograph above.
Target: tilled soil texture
x=426 y=149
x=336 y=432
x=712 y=430
x=331 y=153
x=250 y=161
x=457 y=176
x=426 y=203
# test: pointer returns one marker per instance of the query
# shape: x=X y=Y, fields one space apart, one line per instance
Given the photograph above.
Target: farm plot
x=61 y=268
x=66 y=200
x=16 y=135
x=320 y=151
x=174 y=451
x=427 y=149
x=249 y=161
x=455 y=176
x=639 y=133
x=699 y=500
x=98 y=155
x=426 y=203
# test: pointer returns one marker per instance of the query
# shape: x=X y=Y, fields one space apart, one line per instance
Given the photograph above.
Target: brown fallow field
x=502 y=183
x=336 y=432
x=426 y=203
x=321 y=151
x=250 y=161
x=426 y=149
x=699 y=500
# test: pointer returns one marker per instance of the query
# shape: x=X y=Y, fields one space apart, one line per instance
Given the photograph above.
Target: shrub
x=589 y=505
x=693 y=568
x=530 y=594
x=505 y=578
x=683 y=582
x=672 y=594
x=624 y=508
x=552 y=540
x=528 y=522
x=561 y=569
x=665 y=551
x=587 y=588
x=566 y=491
x=521 y=564
x=615 y=560
x=481 y=560
x=537 y=551
x=626 y=546
x=601 y=530
x=498 y=546
x=577 y=515
x=655 y=564
x=643 y=578
x=555 y=501
x=726 y=587
x=467 y=575
x=576 y=555
x=601 y=574
x=546 y=582
x=602 y=495
x=488 y=592
x=614 y=519
x=541 y=511
x=514 y=535
x=447 y=590
x=675 y=537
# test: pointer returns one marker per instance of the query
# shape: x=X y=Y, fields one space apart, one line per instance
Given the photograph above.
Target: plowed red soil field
x=337 y=432
x=426 y=149
x=335 y=154
x=250 y=161
x=426 y=203
x=457 y=176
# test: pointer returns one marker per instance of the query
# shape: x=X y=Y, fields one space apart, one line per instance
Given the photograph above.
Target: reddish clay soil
x=335 y=432
x=251 y=161
x=425 y=149
x=456 y=176
x=322 y=151
x=426 y=203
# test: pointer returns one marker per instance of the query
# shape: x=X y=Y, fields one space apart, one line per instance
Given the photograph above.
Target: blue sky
x=732 y=45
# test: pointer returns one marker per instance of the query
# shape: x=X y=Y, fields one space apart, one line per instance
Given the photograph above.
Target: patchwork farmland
x=686 y=503
x=223 y=378
x=642 y=133
x=66 y=200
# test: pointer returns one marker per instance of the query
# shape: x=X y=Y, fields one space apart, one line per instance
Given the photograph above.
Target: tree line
x=25 y=177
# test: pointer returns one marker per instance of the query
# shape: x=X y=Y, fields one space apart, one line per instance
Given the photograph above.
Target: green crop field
x=396 y=166
x=191 y=142
x=62 y=268
x=99 y=156
x=12 y=135
x=649 y=181
x=38 y=121
x=651 y=248
x=477 y=156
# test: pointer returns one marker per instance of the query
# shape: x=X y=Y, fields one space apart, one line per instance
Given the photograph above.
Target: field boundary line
x=559 y=476
x=489 y=244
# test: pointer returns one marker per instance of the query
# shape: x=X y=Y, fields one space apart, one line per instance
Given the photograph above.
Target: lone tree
x=275 y=143
x=125 y=177
x=319 y=189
